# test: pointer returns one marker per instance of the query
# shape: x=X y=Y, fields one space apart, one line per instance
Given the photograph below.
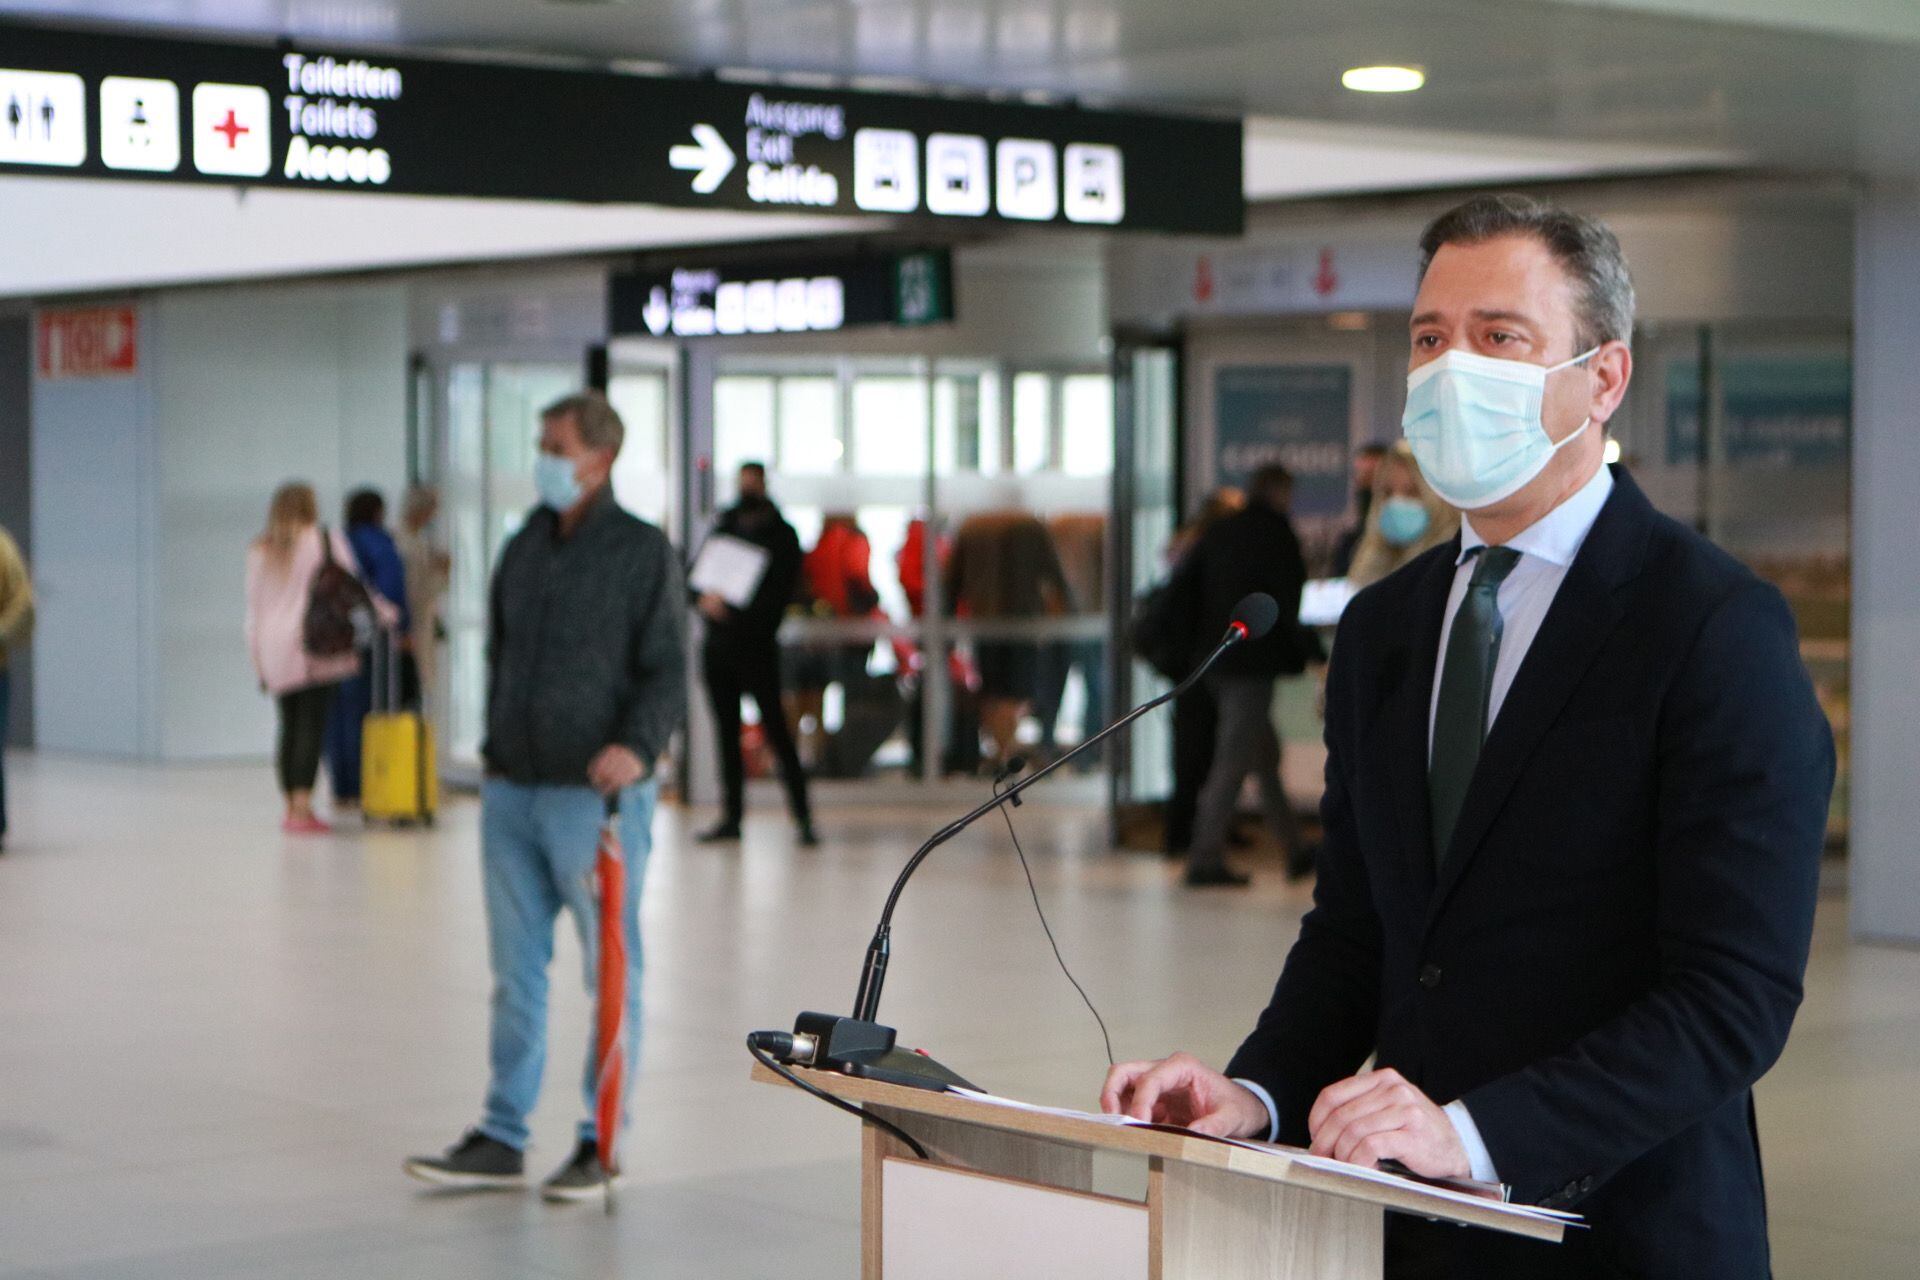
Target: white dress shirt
x=1547 y=549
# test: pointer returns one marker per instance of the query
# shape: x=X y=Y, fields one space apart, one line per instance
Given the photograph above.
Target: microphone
x=1254 y=616
x=860 y=1046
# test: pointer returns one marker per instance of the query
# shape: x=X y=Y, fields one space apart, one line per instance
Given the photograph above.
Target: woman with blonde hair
x=1406 y=519
x=281 y=567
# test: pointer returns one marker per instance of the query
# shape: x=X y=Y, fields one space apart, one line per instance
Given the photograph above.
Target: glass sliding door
x=493 y=422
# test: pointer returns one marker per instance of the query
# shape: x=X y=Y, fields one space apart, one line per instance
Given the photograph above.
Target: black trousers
x=755 y=673
x=303 y=727
x=1195 y=725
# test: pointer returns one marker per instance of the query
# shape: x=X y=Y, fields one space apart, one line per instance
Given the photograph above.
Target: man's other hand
x=714 y=607
x=1377 y=1116
x=615 y=769
x=1182 y=1090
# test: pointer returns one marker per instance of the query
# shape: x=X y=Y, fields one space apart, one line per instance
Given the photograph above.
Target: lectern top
x=1270 y=1163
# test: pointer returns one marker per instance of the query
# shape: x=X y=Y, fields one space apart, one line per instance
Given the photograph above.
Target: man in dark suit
x=1577 y=785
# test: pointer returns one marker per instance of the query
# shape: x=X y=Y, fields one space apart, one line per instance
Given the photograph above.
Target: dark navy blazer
x=1612 y=951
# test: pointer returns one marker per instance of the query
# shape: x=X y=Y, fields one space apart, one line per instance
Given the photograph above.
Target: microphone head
x=1255 y=615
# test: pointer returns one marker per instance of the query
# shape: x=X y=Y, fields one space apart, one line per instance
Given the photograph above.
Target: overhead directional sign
x=815 y=293
x=327 y=118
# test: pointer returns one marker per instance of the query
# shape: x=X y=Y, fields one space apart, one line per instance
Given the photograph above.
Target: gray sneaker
x=581 y=1178
x=474 y=1161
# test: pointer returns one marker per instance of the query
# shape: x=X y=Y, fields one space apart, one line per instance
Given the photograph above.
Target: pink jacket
x=276 y=611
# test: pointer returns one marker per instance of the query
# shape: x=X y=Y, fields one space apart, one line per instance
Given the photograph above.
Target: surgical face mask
x=1403 y=521
x=1474 y=424
x=555 y=481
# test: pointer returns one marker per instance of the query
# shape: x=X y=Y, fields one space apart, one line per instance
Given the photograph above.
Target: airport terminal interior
x=939 y=341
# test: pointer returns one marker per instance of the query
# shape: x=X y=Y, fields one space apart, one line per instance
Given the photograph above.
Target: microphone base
x=868 y=1050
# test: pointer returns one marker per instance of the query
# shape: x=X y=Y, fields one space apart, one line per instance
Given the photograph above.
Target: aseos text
x=316 y=111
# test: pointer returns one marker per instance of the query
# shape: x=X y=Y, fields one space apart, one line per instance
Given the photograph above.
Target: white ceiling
x=75 y=235
x=1290 y=159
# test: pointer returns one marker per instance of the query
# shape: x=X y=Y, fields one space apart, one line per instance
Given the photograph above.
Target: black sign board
x=817 y=293
x=314 y=116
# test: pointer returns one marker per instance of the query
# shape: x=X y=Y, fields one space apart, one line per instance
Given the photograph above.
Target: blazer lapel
x=1583 y=615
x=1409 y=710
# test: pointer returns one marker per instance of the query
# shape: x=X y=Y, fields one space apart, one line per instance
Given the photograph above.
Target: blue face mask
x=1474 y=424
x=1403 y=521
x=555 y=481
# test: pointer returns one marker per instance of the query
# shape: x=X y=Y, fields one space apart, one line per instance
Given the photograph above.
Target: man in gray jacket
x=586 y=684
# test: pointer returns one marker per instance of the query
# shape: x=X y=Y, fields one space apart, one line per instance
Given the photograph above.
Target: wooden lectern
x=1009 y=1193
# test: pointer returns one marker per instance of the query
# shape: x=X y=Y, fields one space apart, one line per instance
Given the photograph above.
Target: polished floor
x=217 y=1043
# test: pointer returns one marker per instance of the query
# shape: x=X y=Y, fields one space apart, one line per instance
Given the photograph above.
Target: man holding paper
x=743 y=580
x=1577 y=786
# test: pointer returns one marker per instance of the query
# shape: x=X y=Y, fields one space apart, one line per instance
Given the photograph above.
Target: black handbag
x=339 y=610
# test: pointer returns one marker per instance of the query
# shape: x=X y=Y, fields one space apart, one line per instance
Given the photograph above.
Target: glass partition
x=953 y=612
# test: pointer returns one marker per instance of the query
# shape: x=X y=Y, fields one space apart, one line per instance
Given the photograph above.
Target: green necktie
x=1466 y=686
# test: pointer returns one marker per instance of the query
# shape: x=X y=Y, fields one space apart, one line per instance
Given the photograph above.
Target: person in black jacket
x=742 y=656
x=1252 y=550
x=586 y=685
x=1577 y=790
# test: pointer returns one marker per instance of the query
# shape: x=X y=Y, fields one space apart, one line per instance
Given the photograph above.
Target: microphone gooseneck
x=1253 y=617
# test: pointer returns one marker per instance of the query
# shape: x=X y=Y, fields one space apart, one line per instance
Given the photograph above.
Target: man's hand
x=1182 y=1090
x=1377 y=1116
x=614 y=769
x=714 y=607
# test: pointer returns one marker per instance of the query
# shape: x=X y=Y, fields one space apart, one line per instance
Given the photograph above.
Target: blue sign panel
x=1297 y=415
x=1785 y=411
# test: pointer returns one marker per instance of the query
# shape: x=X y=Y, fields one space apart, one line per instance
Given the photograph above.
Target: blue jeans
x=537 y=851
x=352 y=700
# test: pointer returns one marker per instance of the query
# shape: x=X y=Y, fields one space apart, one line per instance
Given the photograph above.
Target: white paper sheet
x=730 y=568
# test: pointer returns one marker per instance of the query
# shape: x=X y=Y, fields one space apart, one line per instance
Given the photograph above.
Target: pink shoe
x=306 y=826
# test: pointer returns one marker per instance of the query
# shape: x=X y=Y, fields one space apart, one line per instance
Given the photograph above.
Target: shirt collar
x=1556 y=536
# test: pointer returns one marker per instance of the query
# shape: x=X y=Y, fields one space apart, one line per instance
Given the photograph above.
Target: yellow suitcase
x=399 y=778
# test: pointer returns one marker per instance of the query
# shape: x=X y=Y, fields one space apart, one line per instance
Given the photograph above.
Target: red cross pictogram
x=232 y=127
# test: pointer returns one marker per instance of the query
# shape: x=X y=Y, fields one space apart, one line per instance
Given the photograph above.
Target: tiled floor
x=216 y=1044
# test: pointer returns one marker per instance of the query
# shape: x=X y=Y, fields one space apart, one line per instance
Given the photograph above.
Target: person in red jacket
x=838 y=577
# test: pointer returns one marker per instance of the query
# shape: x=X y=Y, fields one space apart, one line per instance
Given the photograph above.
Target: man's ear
x=1612 y=367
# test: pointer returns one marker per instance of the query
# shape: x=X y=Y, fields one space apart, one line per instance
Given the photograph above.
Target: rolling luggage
x=399 y=781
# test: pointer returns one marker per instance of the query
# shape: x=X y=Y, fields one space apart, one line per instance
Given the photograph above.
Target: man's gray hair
x=1585 y=248
x=600 y=425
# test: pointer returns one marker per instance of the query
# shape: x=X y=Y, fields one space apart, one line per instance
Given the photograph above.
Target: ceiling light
x=1383 y=79
x=1613 y=452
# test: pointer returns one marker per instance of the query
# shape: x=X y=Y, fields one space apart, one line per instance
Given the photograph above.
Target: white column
x=1885 y=802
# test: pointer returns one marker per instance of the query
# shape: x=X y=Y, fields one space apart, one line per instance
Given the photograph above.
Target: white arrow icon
x=656 y=313
x=712 y=157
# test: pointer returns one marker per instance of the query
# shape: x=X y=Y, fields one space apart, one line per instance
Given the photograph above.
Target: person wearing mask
x=1366 y=466
x=1408 y=519
x=741 y=657
x=16 y=612
x=281 y=567
x=585 y=686
x=1252 y=550
x=427 y=569
x=378 y=562
x=1577 y=790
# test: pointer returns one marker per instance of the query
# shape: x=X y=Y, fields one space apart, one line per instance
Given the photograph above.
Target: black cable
x=1042 y=911
x=772 y=1064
